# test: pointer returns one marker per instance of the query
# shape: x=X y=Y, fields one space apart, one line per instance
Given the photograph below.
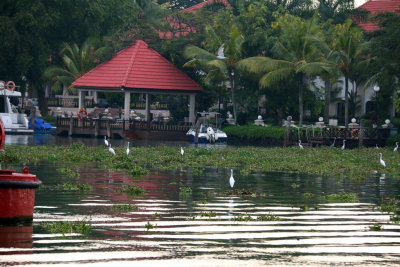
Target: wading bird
x=381 y=160
x=300 y=145
x=111 y=150
x=182 y=152
x=344 y=144
x=105 y=141
x=397 y=146
x=231 y=180
x=127 y=149
x=333 y=144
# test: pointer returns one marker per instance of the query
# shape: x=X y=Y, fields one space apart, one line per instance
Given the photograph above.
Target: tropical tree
x=336 y=10
x=76 y=62
x=218 y=65
x=297 y=56
x=351 y=54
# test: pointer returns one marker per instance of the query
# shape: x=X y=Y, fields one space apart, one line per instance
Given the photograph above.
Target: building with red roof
x=182 y=29
x=138 y=69
x=376 y=7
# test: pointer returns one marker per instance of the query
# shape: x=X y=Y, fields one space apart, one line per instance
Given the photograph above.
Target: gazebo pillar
x=127 y=104
x=81 y=99
x=192 y=103
x=94 y=97
x=148 y=99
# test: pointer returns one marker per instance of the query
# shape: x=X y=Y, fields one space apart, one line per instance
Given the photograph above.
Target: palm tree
x=219 y=66
x=351 y=53
x=76 y=62
x=336 y=10
x=298 y=56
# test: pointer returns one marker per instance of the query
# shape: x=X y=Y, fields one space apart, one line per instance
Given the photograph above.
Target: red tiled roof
x=194 y=8
x=378 y=6
x=137 y=67
x=182 y=28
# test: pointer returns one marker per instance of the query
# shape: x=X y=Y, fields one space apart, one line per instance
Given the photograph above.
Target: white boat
x=207 y=134
x=13 y=121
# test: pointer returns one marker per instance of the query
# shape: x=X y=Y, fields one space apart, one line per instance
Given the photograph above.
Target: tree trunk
x=346 y=101
x=300 y=84
x=232 y=83
x=42 y=101
x=328 y=89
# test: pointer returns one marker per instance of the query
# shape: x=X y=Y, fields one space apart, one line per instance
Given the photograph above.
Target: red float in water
x=17 y=192
x=17 y=195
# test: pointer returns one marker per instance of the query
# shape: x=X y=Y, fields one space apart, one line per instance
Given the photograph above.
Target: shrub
x=255 y=132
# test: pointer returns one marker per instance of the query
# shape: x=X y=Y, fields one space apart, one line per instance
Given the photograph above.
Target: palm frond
x=274 y=77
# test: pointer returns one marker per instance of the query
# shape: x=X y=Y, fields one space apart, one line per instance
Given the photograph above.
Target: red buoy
x=17 y=192
x=17 y=195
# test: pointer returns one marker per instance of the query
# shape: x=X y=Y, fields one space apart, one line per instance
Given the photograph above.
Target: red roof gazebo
x=138 y=69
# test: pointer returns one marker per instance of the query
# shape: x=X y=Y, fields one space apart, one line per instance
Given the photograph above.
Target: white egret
x=344 y=144
x=111 y=150
x=381 y=160
x=105 y=140
x=397 y=146
x=231 y=180
x=300 y=145
x=182 y=152
x=127 y=149
x=333 y=144
x=376 y=146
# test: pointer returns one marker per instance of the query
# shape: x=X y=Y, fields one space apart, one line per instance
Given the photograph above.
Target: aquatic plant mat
x=354 y=163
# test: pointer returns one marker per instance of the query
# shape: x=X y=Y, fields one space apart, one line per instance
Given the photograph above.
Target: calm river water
x=196 y=221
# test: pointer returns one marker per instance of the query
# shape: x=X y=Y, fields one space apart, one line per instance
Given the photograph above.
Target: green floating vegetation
x=340 y=198
x=74 y=187
x=124 y=207
x=333 y=162
x=208 y=214
x=268 y=217
x=395 y=219
x=308 y=195
x=81 y=227
x=239 y=192
x=132 y=190
x=185 y=191
x=376 y=227
x=69 y=172
x=242 y=218
x=148 y=226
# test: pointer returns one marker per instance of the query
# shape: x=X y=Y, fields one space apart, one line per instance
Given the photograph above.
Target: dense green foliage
x=254 y=132
x=355 y=163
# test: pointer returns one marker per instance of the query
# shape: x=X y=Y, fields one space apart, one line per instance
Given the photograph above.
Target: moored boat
x=207 y=134
x=13 y=121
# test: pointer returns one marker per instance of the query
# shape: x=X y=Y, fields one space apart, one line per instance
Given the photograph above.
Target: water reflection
x=209 y=225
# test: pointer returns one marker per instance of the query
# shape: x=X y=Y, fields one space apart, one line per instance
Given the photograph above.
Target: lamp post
x=376 y=90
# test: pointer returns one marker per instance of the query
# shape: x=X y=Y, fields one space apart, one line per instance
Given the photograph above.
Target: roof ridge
x=132 y=60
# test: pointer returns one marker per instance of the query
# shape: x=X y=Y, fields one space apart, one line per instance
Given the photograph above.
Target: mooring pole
x=71 y=125
x=361 y=134
x=287 y=133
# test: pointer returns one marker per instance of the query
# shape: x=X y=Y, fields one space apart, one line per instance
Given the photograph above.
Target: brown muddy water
x=204 y=224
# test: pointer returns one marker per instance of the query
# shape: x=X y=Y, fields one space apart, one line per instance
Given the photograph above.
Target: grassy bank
x=355 y=163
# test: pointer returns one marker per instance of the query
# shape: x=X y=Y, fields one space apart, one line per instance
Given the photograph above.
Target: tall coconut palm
x=76 y=62
x=351 y=52
x=297 y=56
x=221 y=65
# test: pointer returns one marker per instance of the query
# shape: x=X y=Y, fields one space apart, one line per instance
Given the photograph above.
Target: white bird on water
x=344 y=144
x=231 y=180
x=182 y=152
x=397 y=146
x=300 y=145
x=376 y=146
x=105 y=141
x=127 y=149
x=111 y=150
x=381 y=160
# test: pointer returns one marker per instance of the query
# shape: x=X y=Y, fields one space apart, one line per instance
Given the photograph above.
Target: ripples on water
x=186 y=233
